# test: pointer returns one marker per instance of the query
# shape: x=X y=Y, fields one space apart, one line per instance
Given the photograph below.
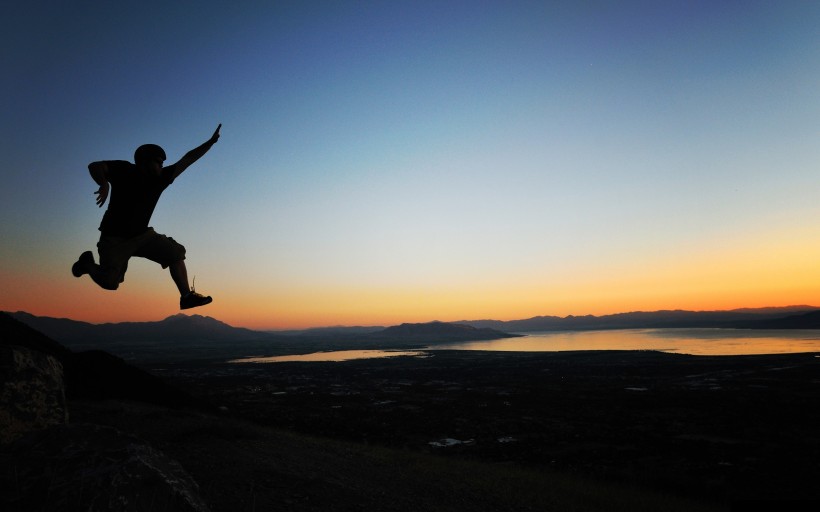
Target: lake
x=333 y=356
x=681 y=341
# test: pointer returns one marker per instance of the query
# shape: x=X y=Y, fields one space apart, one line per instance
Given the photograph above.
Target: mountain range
x=179 y=327
x=182 y=329
x=746 y=318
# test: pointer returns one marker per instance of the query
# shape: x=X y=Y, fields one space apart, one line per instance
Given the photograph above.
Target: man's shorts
x=116 y=251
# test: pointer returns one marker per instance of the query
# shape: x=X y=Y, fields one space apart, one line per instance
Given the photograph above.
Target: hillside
x=241 y=465
x=96 y=374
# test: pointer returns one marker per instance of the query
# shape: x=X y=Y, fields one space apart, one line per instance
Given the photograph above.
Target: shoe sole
x=205 y=303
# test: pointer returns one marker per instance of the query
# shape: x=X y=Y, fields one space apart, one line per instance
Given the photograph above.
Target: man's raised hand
x=215 y=136
x=102 y=195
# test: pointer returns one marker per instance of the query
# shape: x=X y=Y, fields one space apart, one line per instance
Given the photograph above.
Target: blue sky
x=386 y=161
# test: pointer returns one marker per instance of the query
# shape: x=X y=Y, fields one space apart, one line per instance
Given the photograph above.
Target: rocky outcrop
x=94 y=468
x=32 y=393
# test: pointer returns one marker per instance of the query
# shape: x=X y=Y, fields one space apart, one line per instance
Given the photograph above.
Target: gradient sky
x=386 y=162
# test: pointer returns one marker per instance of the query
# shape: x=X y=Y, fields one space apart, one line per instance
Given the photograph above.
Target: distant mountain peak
x=193 y=320
x=183 y=316
x=438 y=331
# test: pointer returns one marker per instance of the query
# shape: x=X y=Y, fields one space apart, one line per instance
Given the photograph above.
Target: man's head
x=149 y=157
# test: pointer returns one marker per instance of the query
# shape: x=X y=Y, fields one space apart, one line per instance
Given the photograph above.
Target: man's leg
x=179 y=273
x=188 y=298
x=169 y=253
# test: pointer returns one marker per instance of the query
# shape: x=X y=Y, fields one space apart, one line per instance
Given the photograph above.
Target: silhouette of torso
x=134 y=195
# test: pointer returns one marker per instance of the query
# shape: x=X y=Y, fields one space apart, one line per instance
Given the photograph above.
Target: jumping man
x=124 y=230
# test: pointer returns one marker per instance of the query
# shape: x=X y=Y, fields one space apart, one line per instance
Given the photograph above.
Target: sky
x=407 y=161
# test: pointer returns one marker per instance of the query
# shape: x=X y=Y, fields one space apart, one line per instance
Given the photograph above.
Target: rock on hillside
x=32 y=394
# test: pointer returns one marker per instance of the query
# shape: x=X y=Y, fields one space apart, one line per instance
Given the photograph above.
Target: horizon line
x=805 y=307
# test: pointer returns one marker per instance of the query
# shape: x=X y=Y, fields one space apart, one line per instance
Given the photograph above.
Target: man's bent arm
x=196 y=153
x=99 y=172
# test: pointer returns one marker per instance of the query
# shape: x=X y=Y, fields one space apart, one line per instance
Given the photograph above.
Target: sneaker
x=80 y=267
x=193 y=300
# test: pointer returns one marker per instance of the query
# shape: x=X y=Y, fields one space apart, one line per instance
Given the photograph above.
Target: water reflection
x=710 y=342
x=336 y=356
x=682 y=341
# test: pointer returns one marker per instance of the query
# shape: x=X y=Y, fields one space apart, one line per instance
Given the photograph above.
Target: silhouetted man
x=124 y=228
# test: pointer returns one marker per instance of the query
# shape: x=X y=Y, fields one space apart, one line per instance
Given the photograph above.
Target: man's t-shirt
x=134 y=195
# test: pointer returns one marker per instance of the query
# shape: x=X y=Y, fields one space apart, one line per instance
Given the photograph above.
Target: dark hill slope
x=14 y=332
x=96 y=374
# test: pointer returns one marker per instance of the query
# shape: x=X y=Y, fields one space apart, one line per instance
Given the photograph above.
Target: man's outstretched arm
x=99 y=173
x=196 y=153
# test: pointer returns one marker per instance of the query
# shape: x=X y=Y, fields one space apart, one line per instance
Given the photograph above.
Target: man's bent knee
x=107 y=281
x=176 y=251
x=107 y=285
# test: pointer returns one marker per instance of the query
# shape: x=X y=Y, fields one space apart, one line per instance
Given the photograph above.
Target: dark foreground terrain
x=242 y=466
x=711 y=429
x=452 y=430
